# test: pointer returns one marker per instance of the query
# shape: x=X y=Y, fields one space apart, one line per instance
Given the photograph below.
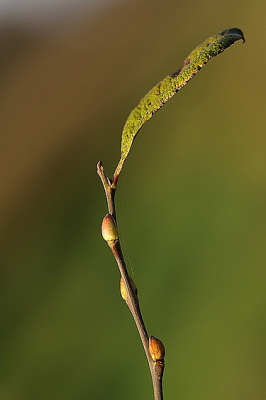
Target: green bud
x=123 y=289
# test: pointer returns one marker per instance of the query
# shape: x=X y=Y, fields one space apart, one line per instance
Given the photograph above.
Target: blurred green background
x=190 y=204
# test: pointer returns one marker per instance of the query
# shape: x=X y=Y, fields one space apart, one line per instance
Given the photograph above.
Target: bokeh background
x=190 y=204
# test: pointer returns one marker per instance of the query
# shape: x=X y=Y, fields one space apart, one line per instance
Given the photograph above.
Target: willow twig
x=156 y=363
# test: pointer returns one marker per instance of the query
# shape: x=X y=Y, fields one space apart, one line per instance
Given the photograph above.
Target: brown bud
x=123 y=289
x=157 y=349
x=109 y=228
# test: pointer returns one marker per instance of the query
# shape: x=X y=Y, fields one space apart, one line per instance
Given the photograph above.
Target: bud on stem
x=109 y=228
x=123 y=289
x=157 y=349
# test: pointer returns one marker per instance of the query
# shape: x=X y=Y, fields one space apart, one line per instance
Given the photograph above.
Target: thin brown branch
x=109 y=189
x=156 y=367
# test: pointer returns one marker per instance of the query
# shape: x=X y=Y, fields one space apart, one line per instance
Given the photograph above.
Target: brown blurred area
x=60 y=91
x=57 y=89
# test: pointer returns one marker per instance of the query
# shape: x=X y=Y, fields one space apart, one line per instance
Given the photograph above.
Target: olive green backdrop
x=190 y=204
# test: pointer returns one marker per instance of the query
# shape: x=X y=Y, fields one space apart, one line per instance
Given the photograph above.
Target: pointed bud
x=109 y=228
x=123 y=289
x=157 y=349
